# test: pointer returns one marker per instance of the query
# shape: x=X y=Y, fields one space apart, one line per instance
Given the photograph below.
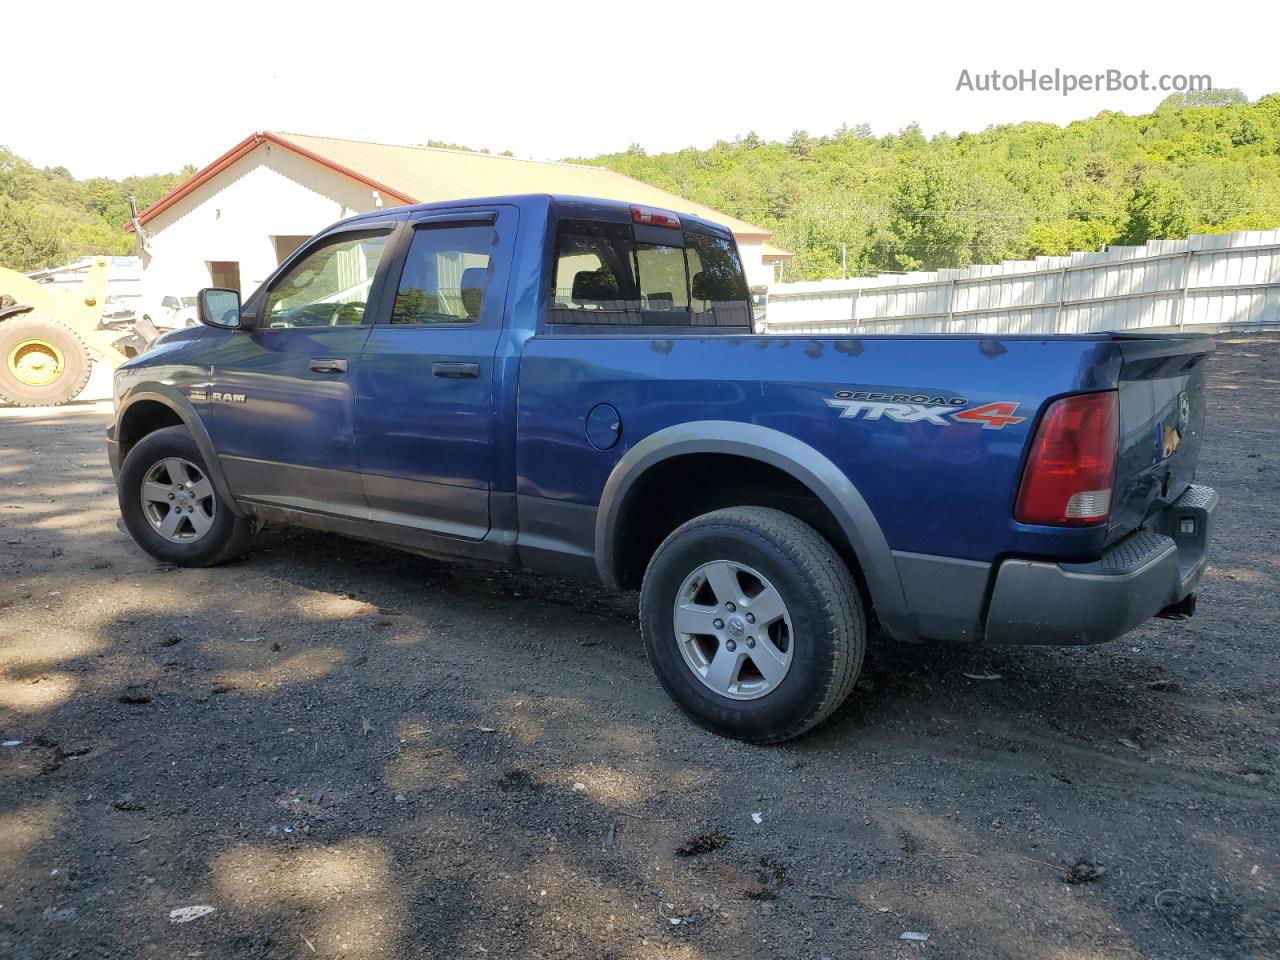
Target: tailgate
x=1161 y=424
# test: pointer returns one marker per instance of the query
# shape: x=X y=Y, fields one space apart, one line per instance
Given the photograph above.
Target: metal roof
x=406 y=174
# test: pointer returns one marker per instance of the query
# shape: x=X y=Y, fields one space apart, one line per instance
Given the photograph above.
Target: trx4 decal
x=921 y=408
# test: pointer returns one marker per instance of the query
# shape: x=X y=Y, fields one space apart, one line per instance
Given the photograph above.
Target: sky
x=142 y=87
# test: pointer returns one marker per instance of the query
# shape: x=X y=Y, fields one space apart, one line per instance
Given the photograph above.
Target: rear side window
x=446 y=273
x=717 y=286
x=593 y=282
x=611 y=274
x=716 y=282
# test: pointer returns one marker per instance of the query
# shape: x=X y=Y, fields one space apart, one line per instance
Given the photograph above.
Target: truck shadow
x=963 y=693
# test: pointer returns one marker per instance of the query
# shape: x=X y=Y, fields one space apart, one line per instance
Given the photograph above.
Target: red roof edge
x=339 y=168
x=241 y=149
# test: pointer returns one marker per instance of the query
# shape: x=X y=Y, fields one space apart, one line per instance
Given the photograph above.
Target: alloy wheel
x=178 y=500
x=733 y=630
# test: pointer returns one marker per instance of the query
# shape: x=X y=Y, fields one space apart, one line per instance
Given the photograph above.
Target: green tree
x=86 y=239
x=29 y=237
x=800 y=144
x=1158 y=209
x=928 y=225
x=909 y=138
x=1213 y=97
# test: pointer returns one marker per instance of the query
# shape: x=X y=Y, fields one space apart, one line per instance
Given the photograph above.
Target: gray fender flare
x=792 y=456
x=176 y=401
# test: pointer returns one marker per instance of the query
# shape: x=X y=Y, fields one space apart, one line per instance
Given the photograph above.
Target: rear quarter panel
x=942 y=490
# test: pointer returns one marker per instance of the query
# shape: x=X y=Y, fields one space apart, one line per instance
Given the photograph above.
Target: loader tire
x=42 y=362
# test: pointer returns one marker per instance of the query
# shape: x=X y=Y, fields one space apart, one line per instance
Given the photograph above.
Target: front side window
x=446 y=274
x=329 y=287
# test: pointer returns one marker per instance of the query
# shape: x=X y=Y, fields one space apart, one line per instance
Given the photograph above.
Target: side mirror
x=219 y=308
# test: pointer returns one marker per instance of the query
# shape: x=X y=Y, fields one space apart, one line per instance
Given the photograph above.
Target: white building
x=232 y=223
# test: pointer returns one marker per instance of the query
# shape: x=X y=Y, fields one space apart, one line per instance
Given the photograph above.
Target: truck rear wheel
x=171 y=506
x=753 y=623
x=42 y=362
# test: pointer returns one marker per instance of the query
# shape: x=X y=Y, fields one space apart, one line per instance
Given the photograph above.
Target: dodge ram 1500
x=573 y=386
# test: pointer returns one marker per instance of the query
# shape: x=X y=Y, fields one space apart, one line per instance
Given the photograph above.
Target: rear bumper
x=1077 y=603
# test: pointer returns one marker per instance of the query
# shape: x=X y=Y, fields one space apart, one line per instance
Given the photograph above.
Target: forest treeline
x=1199 y=163
x=48 y=217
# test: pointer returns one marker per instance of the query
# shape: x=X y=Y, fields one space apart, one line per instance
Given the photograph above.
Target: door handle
x=456 y=371
x=329 y=365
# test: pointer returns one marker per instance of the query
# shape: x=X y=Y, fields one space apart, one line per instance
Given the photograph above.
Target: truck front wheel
x=753 y=623
x=172 y=508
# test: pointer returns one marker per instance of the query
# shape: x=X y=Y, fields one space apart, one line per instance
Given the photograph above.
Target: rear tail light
x=654 y=217
x=1071 y=469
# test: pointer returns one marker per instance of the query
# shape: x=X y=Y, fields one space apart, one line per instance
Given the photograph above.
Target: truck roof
x=560 y=203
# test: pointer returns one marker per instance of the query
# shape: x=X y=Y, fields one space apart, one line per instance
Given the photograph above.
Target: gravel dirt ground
x=346 y=751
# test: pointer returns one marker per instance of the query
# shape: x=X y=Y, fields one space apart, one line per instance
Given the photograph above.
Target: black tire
x=227 y=537
x=829 y=625
x=76 y=362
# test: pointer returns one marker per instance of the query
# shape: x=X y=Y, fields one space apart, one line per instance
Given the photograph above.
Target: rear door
x=283 y=393
x=425 y=405
x=1162 y=394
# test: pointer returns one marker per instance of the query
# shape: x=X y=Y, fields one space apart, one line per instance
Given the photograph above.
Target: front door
x=283 y=393
x=425 y=405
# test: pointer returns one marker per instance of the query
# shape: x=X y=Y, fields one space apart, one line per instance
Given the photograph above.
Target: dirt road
x=350 y=752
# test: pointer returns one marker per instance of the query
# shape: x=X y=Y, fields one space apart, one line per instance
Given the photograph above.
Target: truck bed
x=935 y=489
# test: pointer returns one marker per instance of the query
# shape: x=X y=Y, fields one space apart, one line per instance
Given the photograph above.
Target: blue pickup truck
x=573 y=386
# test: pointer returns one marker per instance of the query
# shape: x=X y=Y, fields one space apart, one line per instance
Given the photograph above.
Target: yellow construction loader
x=50 y=338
